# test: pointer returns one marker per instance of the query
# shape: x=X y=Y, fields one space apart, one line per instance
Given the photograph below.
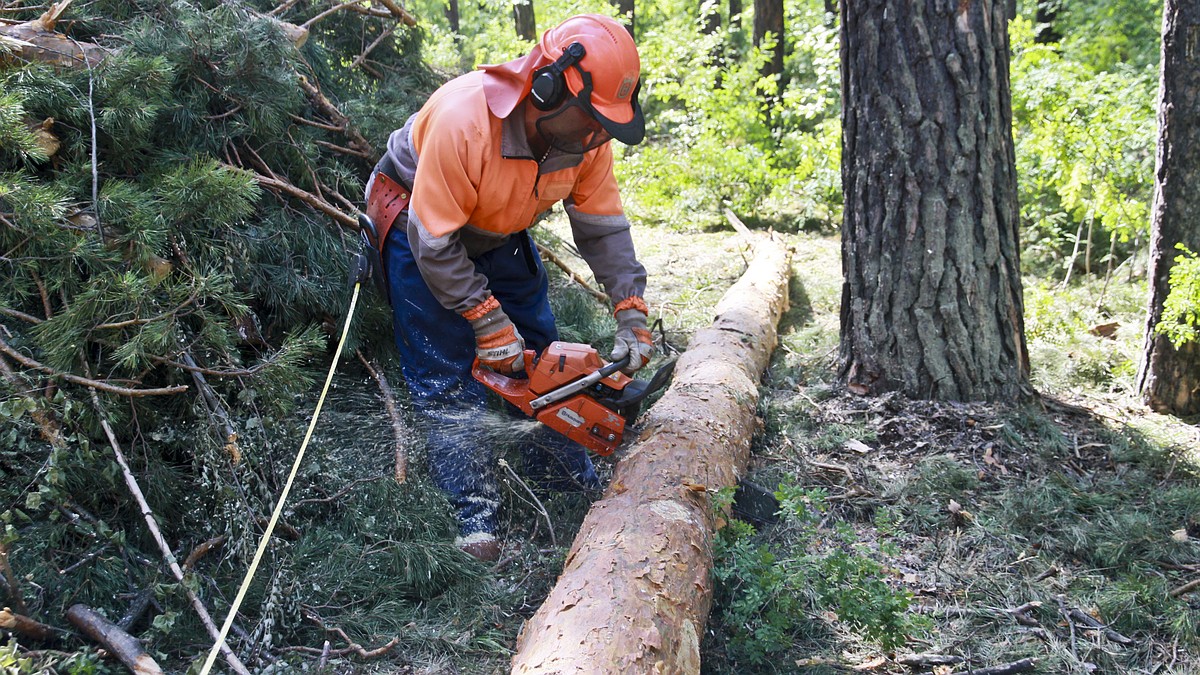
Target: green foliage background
x=180 y=251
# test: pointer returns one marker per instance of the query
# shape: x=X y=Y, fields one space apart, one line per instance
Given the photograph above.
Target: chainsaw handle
x=614 y=366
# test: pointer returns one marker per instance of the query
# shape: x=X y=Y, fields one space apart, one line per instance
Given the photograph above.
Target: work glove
x=497 y=343
x=633 y=338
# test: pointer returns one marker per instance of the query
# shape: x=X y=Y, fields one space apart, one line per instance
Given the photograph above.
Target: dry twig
x=389 y=403
x=152 y=524
x=549 y=255
x=1022 y=666
x=352 y=648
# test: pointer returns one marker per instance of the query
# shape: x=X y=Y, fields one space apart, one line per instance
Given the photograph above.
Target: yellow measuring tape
x=266 y=538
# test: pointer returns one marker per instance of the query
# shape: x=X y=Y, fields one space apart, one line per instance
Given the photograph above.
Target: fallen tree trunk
x=636 y=586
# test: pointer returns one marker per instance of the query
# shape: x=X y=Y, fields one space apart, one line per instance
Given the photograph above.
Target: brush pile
x=177 y=188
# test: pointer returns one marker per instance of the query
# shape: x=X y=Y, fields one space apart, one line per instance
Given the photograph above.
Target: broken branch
x=152 y=525
x=399 y=431
x=286 y=188
x=549 y=255
x=19 y=623
x=87 y=382
x=120 y=644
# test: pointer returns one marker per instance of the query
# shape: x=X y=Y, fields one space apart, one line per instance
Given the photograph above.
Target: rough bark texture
x=932 y=299
x=120 y=644
x=768 y=18
x=35 y=41
x=1169 y=378
x=628 y=11
x=524 y=20
x=635 y=590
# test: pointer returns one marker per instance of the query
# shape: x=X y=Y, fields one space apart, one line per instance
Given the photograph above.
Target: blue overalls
x=437 y=348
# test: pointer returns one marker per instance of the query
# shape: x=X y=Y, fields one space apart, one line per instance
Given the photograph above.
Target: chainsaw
x=570 y=389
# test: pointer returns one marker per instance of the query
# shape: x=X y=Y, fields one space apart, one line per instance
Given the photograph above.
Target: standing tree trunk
x=768 y=18
x=452 y=16
x=523 y=18
x=628 y=13
x=1045 y=16
x=637 y=584
x=710 y=17
x=1169 y=378
x=735 y=14
x=931 y=297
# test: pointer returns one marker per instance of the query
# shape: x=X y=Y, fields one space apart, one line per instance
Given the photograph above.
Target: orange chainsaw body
x=581 y=415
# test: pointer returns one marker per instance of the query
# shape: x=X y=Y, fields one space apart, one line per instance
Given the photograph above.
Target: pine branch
x=86 y=382
x=10 y=581
x=19 y=623
x=327 y=108
x=550 y=256
x=27 y=318
x=399 y=430
x=371 y=47
x=229 y=435
x=152 y=525
x=120 y=644
x=283 y=187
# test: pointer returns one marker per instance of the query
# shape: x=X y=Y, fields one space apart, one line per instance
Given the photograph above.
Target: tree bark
x=25 y=626
x=1169 y=378
x=768 y=18
x=120 y=644
x=627 y=10
x=1045 y=17
x=452 y=16
x=38 y=42
x=636 y=586
x=523 y=18
x=710 y=17
x=932 y=298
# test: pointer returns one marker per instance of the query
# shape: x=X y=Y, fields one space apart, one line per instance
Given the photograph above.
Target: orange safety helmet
x=594 y=59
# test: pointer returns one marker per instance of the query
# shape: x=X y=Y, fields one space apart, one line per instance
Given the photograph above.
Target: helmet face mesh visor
x=572 y=128
x=629 y=133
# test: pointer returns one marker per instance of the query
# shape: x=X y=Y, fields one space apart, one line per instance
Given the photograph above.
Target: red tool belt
x=388 y=198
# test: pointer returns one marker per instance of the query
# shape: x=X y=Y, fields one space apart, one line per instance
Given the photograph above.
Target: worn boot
x=483 y=546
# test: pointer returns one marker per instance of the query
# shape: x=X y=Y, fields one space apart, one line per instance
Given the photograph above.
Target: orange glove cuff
x=632 y=302
x=482 y=308
x=504 y=336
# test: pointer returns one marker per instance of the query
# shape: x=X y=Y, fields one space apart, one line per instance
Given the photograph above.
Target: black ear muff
x=549 y=83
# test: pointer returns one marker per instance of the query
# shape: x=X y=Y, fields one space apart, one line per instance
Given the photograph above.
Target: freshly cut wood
x=636 y=587
x=25 y=626
x=120 y=644
x=36 y=41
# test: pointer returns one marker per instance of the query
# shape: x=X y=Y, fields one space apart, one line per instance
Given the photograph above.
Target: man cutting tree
x=455 y=193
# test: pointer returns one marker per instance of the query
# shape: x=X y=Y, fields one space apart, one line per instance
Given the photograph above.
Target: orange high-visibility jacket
x=475 y=182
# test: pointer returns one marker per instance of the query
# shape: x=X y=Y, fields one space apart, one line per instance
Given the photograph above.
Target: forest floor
x=918 y=537
x=957 y=535
x=912 y=536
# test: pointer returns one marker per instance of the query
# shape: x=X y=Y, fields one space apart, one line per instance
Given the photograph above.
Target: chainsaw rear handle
x=367 y=263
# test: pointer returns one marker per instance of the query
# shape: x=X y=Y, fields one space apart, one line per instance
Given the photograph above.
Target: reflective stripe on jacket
x=475 y=182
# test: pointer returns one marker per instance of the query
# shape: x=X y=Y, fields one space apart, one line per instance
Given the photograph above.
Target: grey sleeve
x=447 y=270
x=607 y=247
